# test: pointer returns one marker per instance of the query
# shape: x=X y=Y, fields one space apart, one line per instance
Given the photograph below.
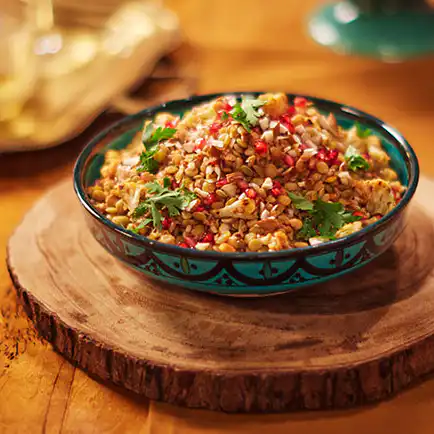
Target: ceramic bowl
x=245 y=273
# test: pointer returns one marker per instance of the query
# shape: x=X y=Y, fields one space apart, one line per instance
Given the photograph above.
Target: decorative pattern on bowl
x=246 y=274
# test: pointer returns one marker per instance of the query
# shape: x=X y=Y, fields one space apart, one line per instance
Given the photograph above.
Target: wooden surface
x=40 y=392
x=336 y=345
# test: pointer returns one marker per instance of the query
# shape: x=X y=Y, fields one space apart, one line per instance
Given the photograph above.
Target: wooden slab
x=355 y=340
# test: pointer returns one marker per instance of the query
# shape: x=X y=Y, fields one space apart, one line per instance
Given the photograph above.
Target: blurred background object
x=61 y=49
x=78 y=58
x=391 y=30
x=17 y=66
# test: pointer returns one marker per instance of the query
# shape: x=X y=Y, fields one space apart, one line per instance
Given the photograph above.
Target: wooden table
x=249 y=44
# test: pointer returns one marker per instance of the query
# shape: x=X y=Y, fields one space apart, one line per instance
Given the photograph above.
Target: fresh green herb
x=307 y=231
x=239 y=115
x=246 y=112
x=300 y=202
x=250 y=107
x=325 y=217
x=354 y=160
x=151 y=140
x=225 y=116
x=151 y=137
x=174 y=201
x=362 y=132
x=142 y=225
x=147 y=162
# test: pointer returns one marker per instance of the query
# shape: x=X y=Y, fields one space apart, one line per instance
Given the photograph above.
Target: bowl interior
x=121 y=134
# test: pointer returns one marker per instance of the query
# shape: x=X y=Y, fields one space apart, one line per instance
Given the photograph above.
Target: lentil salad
x=255 y=175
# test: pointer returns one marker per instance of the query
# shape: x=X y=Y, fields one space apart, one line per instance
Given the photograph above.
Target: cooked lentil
x=256 y=175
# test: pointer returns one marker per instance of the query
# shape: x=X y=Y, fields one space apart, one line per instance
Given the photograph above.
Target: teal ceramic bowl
x=245 y=273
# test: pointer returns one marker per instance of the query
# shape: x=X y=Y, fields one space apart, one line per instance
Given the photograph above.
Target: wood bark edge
x=262 y=392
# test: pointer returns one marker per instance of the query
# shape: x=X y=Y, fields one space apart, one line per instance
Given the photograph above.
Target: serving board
x=352 y=341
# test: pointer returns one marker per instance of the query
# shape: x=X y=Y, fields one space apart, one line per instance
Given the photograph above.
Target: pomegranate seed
x=251 y=193
x=333 y=157
x=190 y=241
x=303 y=147
x=277 y=184
x=200 y=144
x=276 y=191
x=289 y=161
x=243 y=184
x=185 y=246
x=285 y=120
x=166 y=223
x=322 y=154
x=199 y=208
x=175 y=185
x=261 y=147
x=210 y=199
x=330 y=155
x=291 y=110
x=208 y=238
x=215 y=127
x=300 y=101
x=170 y=124
x=227 y=107
x=222 y=182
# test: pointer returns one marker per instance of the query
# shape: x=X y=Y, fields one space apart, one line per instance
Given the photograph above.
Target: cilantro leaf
x=307 y=231
x=250 y=107
x=325 y=218
x=354 y=160
x=239 y=115
x=356 y=163
x=142 y=225
x=350 y=218
x=147 y=162
x=300 y=202
x=151 y=140
x=246 y=112
x=156 y=216
x=151 y=137
x=161 y=197
x=224 y=116
x=147 y=132
x=162 y=134
x=362 y=132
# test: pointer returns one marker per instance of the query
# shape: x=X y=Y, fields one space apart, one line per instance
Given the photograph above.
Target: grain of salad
x=247 y=175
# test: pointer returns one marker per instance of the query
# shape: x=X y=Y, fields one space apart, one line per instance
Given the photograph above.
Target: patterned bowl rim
x=363 y=118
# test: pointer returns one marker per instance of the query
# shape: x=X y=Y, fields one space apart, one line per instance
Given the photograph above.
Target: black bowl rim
x=364 y=118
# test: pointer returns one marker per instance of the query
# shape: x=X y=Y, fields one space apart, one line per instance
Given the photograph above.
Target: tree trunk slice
x=355 y=340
